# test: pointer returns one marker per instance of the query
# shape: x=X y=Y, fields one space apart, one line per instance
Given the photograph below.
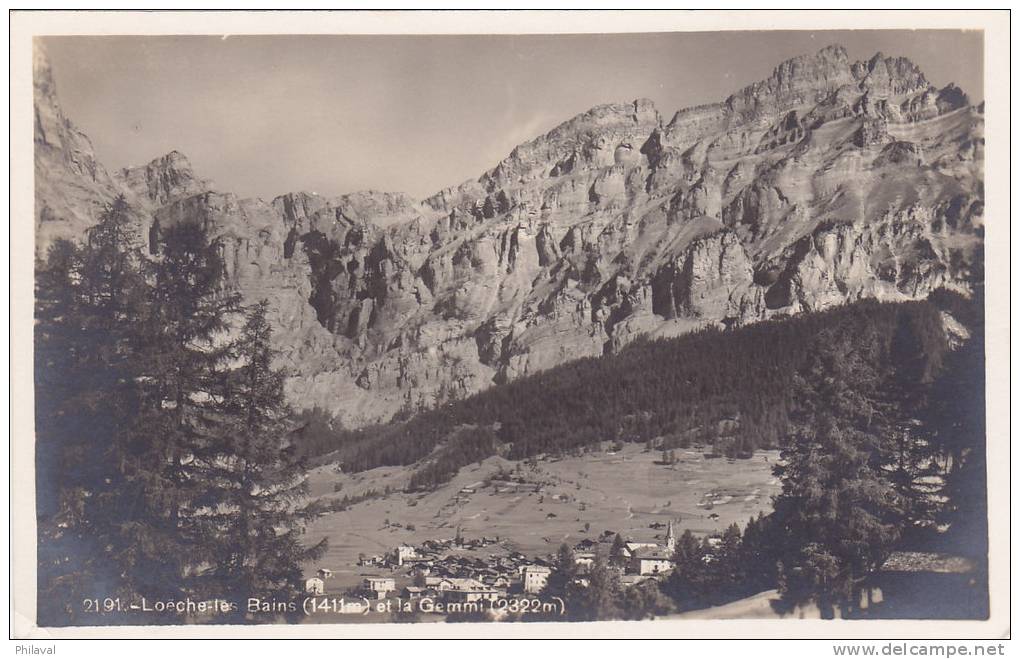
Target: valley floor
x=578 y=498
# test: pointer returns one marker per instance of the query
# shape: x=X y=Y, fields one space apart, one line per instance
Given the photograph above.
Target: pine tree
x=616 y=551
x=686 y=583
x=264 y=491
x=954 y=428
x=758 y=549
x=182 y=341
x=85 y=384
x=163 y=469
x=837 y=509
x=644 y=600
x=561 y=580
x=729 y=570
x=917 y=353
x=600 y=599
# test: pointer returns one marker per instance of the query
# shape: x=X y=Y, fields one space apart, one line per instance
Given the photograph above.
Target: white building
x=315 y=586
x=404 y=553
x=650 y=561
x=439 y=583
x=629 y=548
x=534 y=578
x=379 y=586
x=470 y=590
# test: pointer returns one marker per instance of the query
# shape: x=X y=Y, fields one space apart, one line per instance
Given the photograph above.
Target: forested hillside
x=729 y=390
x=884 y=452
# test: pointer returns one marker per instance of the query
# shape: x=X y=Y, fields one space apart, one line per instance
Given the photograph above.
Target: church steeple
x=670 y=537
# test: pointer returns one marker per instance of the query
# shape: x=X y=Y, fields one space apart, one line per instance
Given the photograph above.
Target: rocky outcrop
x=712 y=279
x=798 y=81
x=163 y=180
x=827 y=182
x=71 y=186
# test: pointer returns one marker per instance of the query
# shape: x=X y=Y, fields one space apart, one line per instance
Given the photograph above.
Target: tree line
x=164 y=468
x=732 y=390
x=886 y=445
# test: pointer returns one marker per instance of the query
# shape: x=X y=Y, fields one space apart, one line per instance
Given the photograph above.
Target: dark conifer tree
x=263 y=499
x=916 y=355
x=686 y=583
x=163 y=468
x=644 y=600
x=729 y=570
x=616 y=551
x=600 y=600
x=182 y=340
x=955 y=428
x=86 y=394
x=561 y=579
x=838 y=510
x=758 y=549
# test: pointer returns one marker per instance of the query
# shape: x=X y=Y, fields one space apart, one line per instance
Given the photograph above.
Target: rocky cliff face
x=828 y=182
x=71 y=186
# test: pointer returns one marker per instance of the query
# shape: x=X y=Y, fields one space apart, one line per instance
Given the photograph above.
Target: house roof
x=469 y=584
x=378 y=578
x=651 y=554
x=431 y=581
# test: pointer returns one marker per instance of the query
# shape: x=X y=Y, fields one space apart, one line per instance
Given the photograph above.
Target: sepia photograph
x=506 y=328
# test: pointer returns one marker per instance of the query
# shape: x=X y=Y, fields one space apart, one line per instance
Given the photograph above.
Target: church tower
x=670 y=538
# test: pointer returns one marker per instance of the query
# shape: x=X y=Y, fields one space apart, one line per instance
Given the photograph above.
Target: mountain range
x=831 y=181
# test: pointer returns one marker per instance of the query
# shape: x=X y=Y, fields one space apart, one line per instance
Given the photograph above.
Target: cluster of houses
x=635 y=561
x=529 y=579
x=461 y=579
x=437 y=569
x=649 y=558
x=429 y=553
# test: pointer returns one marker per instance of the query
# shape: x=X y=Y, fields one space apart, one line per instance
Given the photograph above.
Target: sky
x=265 y=115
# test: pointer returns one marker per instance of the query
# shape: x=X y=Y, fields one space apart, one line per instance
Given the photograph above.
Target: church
x=651 y=558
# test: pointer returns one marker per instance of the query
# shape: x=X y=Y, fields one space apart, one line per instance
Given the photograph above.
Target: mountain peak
x=76 y=187
x=42 y=72
x=51 y=127
x=164 y=179
x=889 y=75
x=174 y=156
x=587 y=140
x=794 y=81
x=833 y=50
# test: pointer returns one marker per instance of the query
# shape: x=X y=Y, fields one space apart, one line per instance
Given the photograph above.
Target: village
x=443 y=571
x=493 y=532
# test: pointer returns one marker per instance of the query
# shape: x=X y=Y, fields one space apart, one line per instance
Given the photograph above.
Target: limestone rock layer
x=828 y=182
